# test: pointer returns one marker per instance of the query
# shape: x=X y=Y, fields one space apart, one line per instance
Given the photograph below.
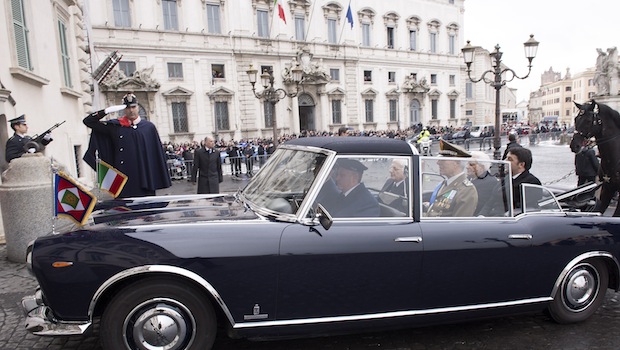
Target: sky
x=569 y=32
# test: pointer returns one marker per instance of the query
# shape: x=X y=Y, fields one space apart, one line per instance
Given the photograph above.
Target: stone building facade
x=553 y=101
x=388 y=65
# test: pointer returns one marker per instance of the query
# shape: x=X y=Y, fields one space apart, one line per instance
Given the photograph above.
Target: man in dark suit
x=520 y=163
x=398 y=185
x=512 y=143
x=355 y=199
x=208 y=165
x=478 y=174
x=586 y=165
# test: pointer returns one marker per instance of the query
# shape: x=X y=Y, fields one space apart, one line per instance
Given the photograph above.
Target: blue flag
x=350 y=16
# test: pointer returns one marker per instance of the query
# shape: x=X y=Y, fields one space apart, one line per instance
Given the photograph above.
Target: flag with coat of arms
x=110 y=179
x=72 y=200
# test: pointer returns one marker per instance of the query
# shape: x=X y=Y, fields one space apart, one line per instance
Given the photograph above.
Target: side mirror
x=325 y=219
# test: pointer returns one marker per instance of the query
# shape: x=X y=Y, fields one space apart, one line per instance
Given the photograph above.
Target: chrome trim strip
x=158 y=269
x=520 y=236
x=388 y=314
x=414 y=239
x=577 y=260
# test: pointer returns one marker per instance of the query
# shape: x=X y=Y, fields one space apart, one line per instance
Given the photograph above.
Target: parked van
x=476 y=130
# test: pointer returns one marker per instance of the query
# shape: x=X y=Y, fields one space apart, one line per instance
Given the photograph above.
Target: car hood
x=169 y=210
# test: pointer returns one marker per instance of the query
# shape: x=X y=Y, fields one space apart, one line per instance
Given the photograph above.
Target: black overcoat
x=136 y=151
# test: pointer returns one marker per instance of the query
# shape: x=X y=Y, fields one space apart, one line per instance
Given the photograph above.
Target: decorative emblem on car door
x=256 y=315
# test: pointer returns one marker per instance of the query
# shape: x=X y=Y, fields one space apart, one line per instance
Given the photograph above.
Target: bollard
x=26 y=200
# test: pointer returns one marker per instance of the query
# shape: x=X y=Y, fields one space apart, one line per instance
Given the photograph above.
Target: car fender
x=142 y=271
x=612 y=263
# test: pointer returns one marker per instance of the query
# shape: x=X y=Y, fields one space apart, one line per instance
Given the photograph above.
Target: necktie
x=434 y=195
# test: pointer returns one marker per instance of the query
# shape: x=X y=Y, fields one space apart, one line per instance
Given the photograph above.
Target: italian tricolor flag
x=110 y=179
x=280 y=9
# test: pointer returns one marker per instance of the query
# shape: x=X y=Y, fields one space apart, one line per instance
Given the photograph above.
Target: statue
x=611 y=67
x=411 y=84
x=601 y=78
x=140 y=78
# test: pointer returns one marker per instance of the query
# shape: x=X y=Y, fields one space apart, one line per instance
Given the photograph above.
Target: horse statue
x=603 y=123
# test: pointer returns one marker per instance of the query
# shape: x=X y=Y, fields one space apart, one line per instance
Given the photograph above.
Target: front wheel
x=581 y=292
x=158 y=313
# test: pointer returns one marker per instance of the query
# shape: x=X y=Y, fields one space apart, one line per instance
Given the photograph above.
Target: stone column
x=4 y=96
x=26 y=200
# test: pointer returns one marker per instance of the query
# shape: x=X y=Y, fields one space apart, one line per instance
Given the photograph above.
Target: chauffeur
x=456 y=196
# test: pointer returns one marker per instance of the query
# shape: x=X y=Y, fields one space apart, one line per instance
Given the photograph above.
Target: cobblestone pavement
x=535 y=331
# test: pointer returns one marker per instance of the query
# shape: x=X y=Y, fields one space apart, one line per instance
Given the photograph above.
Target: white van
x=476 y=130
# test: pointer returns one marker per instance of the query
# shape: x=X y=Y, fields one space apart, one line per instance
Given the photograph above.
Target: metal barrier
x=177 y=169
x=181 y=169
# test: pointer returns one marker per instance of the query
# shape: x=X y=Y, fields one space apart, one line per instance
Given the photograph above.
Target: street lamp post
x=531 y=46
x=271 y=94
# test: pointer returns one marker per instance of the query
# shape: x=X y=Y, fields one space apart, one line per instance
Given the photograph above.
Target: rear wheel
x=158 y=313
x=581 y=292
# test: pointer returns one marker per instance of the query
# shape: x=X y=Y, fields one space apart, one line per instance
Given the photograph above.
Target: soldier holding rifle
x=20 y=143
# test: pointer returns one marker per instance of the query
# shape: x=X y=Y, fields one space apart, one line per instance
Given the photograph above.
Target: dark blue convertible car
x=331 y=235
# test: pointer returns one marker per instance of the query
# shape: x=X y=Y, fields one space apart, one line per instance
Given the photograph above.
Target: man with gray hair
x=478 y=173
x=208 y=167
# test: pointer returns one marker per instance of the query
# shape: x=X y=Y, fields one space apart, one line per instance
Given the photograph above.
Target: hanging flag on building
x=110 y=179
x=71 y=200
x=350 y=16
x=280 y=9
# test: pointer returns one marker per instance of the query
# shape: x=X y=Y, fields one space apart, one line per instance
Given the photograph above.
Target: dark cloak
x=135 y=151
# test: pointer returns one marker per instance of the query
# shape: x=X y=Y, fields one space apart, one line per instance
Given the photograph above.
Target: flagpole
x=54 y=216
x=309 y=21
x=273 y=13
x=97 y=184
x=344 y=23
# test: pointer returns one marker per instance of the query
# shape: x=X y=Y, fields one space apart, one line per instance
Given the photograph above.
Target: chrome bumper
x=40 y=319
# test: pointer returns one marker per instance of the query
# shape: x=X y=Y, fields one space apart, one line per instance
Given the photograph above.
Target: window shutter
x=21 y=35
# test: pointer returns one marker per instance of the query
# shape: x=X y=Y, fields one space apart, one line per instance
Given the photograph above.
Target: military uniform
x=15 y=146
x=457 y=199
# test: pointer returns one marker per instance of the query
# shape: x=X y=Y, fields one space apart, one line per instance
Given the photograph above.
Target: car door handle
x=520 y=236
x=415 y=239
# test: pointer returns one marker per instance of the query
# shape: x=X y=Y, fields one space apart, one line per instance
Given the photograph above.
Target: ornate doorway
x=306 y=112
x=414 y=112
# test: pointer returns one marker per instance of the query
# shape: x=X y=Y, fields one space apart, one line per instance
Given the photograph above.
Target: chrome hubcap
x=581 y=287
x=159 y=324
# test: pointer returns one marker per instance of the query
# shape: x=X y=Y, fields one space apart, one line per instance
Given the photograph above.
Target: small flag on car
x=110 y=179
x=71 y=199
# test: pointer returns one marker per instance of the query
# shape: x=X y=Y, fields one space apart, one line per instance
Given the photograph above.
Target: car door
x=357 y=267
x=472 y=261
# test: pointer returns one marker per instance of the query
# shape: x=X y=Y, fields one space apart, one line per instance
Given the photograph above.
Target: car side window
x=367 y=187
x=455 y=195
x=537 y=198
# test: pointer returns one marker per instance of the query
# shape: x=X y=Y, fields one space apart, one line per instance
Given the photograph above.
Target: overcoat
x=136 y=151
x=208 y=167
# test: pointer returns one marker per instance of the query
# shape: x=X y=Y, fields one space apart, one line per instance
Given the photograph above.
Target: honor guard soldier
x=16 y=144
x=131 y=145
x=456 y=196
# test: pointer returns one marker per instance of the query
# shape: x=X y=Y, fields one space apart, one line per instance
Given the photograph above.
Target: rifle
x=39 y=137
x=38 y=141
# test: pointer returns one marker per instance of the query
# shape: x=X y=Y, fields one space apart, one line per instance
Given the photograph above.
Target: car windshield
x=283 y=183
